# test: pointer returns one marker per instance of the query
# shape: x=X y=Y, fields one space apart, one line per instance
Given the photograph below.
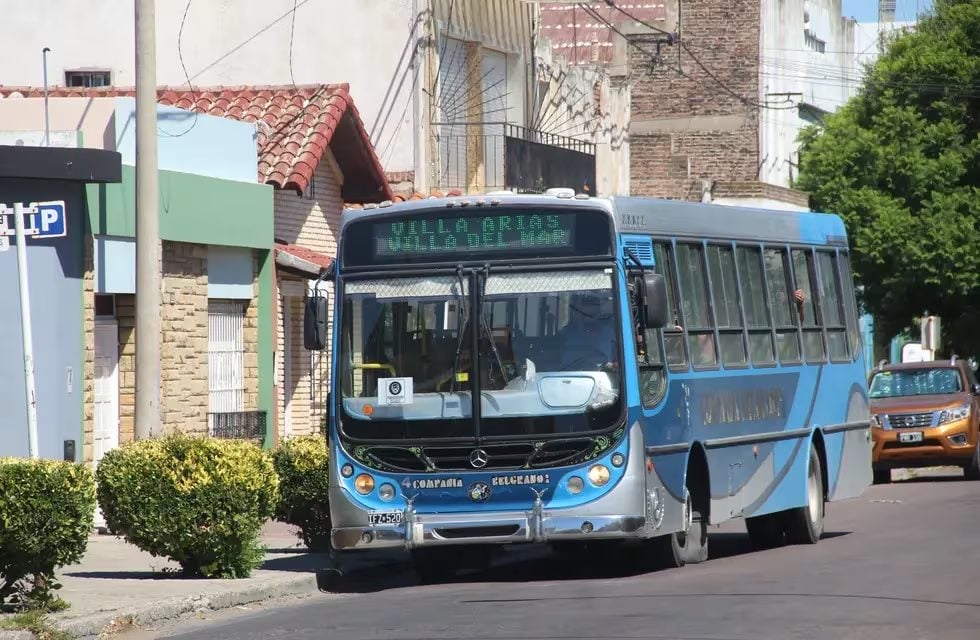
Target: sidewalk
x=117 y=581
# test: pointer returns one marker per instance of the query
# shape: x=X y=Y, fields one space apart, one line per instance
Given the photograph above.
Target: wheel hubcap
x=813 y=496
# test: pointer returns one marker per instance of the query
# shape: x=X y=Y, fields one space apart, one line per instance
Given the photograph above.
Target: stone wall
x=184 y=327
x=88 y=350
x=126 y=317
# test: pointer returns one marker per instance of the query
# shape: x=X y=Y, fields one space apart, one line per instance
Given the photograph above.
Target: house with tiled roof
x=311 y=149
x=217 y=264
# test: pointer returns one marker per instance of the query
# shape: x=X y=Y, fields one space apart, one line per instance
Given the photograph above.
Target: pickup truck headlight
x=952 y=415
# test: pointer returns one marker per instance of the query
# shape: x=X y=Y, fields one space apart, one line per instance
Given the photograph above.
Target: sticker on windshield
x=394 y=391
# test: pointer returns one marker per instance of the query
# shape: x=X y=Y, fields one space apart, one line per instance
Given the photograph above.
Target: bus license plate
x=907 y=437
x=382 y=518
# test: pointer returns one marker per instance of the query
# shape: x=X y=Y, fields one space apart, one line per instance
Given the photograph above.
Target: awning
x=302 y=260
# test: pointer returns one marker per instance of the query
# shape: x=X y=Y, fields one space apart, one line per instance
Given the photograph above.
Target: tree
x=901 y=164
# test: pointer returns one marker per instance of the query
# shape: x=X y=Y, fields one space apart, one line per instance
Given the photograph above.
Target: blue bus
x=564 y=369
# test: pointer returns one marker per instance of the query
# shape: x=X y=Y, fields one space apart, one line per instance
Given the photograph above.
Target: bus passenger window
x=694 y=302
x=753 y=295
x=673 y=334
x=831 y=307
x=850 y=304
x=783 y=307
x=813 y=347
x=728 y=317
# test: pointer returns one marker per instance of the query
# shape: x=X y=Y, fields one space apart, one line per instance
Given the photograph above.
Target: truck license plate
x=390 y=518
x=907 y=437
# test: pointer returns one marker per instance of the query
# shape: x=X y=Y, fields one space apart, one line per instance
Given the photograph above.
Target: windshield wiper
x=461 y=321
x=485 y=326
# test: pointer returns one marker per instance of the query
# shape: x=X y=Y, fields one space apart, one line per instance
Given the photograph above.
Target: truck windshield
x=548 y=358
x=915 y=382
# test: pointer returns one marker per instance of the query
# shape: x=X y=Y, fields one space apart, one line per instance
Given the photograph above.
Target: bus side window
x=813 y=347
x=831 y=307
x=783 y=309
x=753 y=292
x=850 y=304
x=673 y=335
x=692 y=277
x=728 y=317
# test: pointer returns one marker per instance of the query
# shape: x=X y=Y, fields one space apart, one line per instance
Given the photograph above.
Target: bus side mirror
x=315 y=322
x=655 y=300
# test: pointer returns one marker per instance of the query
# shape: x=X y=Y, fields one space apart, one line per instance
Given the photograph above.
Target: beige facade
x=310 y=220
x=184 y=357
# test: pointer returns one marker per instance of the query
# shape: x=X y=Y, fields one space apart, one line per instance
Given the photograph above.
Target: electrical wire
x=292 y=35
x=180 y=57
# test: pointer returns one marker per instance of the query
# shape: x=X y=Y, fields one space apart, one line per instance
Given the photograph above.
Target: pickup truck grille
x=909 y=420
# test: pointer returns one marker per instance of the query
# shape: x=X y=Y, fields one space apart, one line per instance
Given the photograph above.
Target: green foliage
x=901 y=164
x=37 y=623
x=199 y=501
x=303 y=468
x=47 y=511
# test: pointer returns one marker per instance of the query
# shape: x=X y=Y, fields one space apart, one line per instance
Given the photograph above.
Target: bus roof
x=652 y=216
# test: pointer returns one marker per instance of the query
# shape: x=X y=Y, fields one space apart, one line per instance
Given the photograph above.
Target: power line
x=180 y=57
x=292 y=34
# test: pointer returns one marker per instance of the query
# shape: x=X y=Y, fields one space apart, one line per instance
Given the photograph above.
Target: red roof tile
x=580 y=38
x=296 y=125
x=319 y=259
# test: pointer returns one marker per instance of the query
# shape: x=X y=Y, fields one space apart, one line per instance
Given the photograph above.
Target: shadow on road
x=539 y=564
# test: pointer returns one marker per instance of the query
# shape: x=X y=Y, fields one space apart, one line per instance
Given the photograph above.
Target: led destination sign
x=484 y=233
x=454 y=234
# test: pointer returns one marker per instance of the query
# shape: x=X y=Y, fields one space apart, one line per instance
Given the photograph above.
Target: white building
x=439 y=83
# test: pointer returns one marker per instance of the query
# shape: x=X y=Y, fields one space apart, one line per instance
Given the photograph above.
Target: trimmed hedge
x=198 y=501
x=303 y=467
x=47 y=511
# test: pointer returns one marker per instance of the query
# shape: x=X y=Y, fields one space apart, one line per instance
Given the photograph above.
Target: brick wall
x=184 y=325
x=685 y=125
x=251 y=340
x=312 y=222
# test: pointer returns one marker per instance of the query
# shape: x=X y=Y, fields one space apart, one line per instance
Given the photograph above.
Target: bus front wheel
x=804 y=525
x=689 y=546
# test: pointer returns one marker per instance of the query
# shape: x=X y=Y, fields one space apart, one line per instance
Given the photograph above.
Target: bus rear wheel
x=804 y=525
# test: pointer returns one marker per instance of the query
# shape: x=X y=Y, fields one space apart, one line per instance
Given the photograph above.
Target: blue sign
x=41 y=220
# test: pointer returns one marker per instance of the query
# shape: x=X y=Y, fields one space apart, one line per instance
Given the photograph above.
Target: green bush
x=47 y=511
x=198 y=501
x=303 y=468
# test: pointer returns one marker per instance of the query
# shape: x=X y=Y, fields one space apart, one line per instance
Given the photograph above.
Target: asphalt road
x=901 y=562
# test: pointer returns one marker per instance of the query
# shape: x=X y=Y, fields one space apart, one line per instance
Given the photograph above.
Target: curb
x=94 y=624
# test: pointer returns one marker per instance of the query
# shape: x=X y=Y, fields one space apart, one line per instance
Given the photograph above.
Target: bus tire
x=804 y=525
x=691 y=545
x=766 y=532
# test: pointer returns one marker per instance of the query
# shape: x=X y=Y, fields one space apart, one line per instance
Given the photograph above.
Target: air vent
x=641 y=247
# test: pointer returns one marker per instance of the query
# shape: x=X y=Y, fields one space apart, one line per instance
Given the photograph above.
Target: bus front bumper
x=490 y=528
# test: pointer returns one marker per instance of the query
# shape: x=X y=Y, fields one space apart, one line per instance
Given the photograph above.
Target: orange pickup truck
x=925 y=414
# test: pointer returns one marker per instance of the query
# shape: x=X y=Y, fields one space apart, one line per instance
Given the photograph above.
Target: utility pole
x=147 y=227
x=25 y=324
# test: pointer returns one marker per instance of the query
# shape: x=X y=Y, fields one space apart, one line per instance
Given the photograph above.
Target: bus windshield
x=548 y=357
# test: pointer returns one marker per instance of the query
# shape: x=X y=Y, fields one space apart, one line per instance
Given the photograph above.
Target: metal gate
x=226 y=357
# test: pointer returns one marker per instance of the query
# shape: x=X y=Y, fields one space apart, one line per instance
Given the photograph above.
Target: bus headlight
x=599 y=475
x=364 y=484
x=386 y=492
x=347 y=470
x=618 y=459
x=575 y=485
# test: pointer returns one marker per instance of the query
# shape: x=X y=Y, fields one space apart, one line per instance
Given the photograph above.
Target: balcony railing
x=487 y=156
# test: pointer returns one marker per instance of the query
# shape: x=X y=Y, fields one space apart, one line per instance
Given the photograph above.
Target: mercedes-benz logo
x=479 y=492
x=479 y=458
